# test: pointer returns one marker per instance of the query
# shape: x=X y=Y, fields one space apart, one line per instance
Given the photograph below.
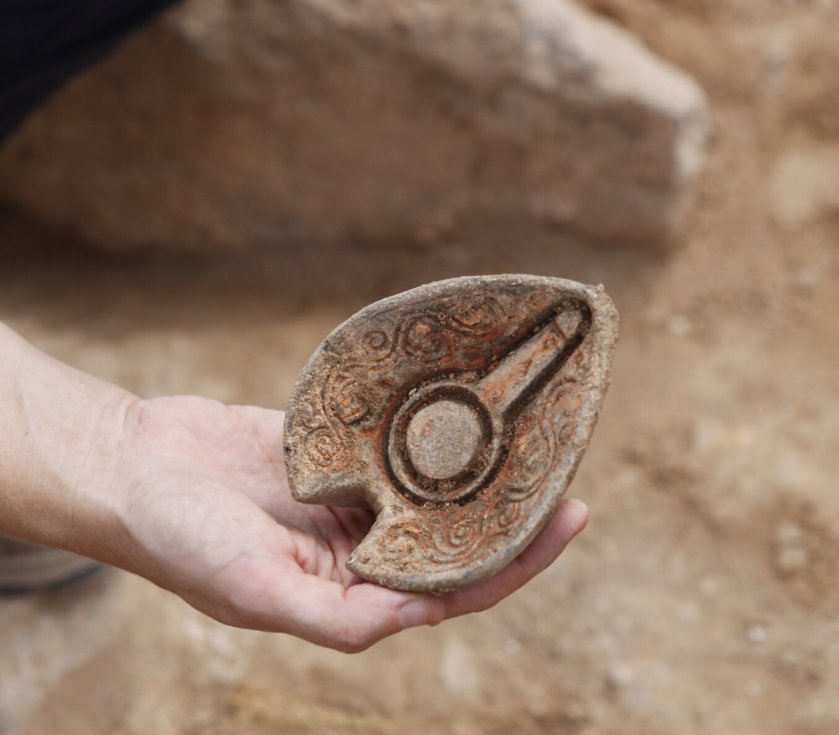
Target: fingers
x=322 y=611
x=352 y=619
x=570 y=518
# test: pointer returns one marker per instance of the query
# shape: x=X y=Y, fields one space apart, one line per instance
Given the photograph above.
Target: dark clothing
x=44 y=42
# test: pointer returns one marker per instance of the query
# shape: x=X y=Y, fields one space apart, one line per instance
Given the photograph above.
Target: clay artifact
x=459 y=412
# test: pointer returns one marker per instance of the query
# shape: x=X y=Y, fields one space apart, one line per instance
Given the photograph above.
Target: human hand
x=193 y=495
x=206 y=512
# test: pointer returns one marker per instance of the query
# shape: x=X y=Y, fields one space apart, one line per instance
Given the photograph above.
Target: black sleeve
x=44 y=42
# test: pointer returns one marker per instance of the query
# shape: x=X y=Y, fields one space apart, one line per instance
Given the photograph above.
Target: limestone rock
x=229 y=124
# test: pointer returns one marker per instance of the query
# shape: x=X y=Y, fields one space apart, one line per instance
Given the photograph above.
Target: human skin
x=192 y=495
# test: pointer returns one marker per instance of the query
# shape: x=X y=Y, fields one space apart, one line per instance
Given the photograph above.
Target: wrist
x=60 y=446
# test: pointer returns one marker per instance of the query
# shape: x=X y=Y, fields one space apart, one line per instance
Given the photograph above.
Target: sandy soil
x=702 y=599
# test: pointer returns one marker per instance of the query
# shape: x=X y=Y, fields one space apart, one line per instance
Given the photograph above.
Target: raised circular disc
x=461 y=485
x=397 y=411
x=443 y=439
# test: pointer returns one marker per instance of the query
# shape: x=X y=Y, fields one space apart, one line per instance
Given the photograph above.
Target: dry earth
x=703 y=598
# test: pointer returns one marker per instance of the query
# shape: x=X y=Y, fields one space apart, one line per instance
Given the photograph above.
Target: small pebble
x=678 y=325
x=756 y=634
x=752 y=688
x=790 y=554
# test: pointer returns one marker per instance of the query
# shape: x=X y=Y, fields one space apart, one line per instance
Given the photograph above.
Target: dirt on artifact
x=703 y=597
x=494 y=383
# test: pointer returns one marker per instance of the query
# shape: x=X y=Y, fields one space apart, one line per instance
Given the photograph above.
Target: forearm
x=59 y=444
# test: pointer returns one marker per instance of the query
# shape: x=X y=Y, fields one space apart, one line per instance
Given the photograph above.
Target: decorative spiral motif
x=376 y=344
x=424 y=338
x=464 y=534
x=325 y=447
x=344 y=399
x=465 y=538
x=429 y=336
x=485 y=318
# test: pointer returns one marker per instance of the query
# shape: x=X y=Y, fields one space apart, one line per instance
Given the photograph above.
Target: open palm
x=207 y=513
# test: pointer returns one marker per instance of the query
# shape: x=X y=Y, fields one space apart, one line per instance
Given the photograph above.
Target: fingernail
x=413 y=613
